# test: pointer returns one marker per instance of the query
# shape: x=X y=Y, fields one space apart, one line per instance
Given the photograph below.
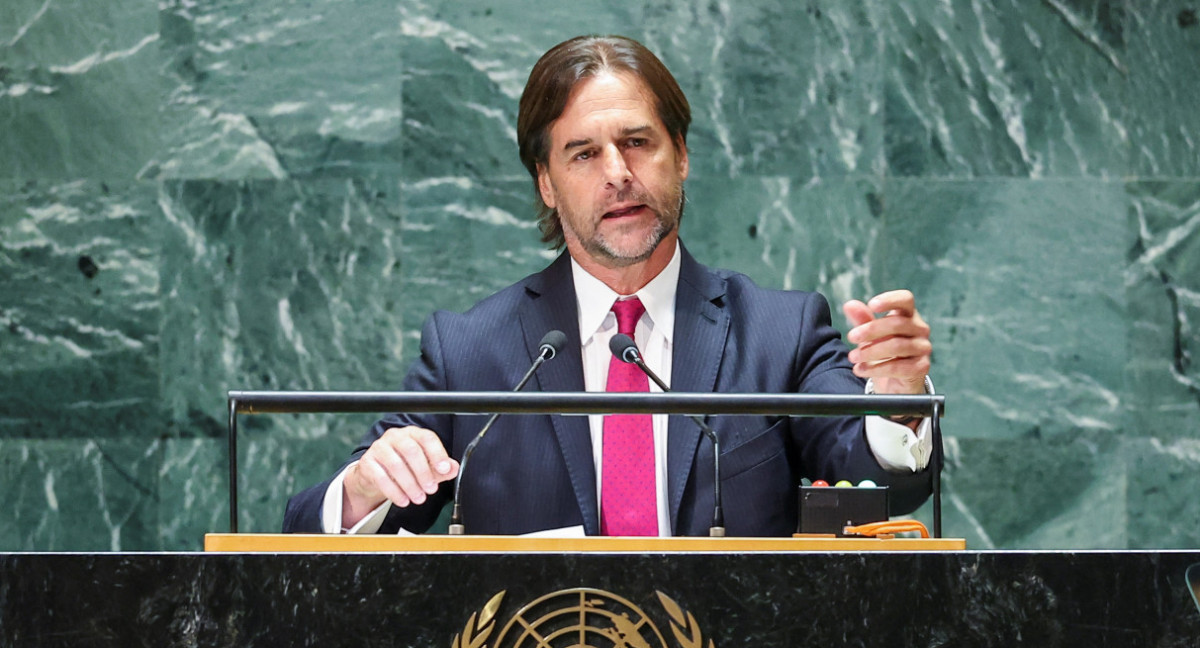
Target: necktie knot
x=628 y=312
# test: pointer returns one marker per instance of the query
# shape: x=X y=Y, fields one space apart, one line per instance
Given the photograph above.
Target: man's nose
x=616 y=170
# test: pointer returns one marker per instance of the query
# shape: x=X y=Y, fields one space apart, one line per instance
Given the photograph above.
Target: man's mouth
x=630 y=210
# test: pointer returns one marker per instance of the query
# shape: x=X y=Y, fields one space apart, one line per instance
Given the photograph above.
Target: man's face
x=612 y=172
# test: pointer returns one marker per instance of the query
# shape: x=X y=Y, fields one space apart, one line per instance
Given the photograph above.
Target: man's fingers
x=373 y=478
x=407 y=464
x=443 y=467
x=399 y=472
x=893 y=300
x=891 y=347
x=887 y=327
x=857 y=312
x=418 y=480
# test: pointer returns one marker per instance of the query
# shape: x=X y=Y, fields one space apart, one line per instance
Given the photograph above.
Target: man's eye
x=637 y=142
x=584 y=155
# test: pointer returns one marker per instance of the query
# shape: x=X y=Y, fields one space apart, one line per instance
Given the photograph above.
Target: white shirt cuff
x=895 y=446
x=331 y=510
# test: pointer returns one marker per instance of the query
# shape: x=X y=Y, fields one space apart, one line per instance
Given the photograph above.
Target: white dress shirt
x=895 y=446
x=597 y=325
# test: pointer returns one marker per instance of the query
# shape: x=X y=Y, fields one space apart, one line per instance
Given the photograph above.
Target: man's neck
x=626 y=280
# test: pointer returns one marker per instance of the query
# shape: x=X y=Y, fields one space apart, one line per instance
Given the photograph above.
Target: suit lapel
x=551 y=304
x=701 y=325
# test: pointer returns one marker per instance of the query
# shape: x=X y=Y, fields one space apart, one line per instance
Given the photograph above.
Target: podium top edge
x=316 y=543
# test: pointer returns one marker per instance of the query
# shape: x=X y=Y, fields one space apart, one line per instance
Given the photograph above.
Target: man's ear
x=682 y=154
x=544 y=187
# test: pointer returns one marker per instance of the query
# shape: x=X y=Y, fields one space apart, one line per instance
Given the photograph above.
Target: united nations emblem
x=578 y=618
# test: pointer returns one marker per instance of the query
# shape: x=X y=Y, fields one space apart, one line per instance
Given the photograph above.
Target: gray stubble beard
x=600 y=248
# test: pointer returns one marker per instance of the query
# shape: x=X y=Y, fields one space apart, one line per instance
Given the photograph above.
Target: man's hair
x=557 y=73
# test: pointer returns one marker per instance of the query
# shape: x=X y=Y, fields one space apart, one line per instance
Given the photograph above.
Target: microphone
x=625 y=349
x=551 y=344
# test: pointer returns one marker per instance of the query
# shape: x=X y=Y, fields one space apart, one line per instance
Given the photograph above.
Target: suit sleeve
x=835 y=448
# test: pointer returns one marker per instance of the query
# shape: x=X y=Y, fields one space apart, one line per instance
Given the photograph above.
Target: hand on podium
x=402 y=466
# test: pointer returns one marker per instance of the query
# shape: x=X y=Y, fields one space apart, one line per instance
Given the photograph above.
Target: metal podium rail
x=581 y=403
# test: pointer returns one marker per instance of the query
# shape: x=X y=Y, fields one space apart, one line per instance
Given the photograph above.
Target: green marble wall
x=198 y=196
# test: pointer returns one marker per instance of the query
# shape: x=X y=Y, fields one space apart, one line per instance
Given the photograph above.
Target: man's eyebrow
x=625 y=132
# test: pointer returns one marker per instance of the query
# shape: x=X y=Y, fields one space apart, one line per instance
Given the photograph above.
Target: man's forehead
x=622 y=100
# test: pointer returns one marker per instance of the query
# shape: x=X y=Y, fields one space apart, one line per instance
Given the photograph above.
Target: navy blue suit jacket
x=536 y=472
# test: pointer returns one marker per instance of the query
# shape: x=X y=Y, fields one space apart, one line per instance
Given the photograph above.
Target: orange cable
x=887 y=527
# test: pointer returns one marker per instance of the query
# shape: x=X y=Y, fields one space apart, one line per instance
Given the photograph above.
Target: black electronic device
x=830 y=509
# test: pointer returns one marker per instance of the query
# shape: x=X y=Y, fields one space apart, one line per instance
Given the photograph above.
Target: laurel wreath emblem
x=683 y=624
x=481 y=624
x=477 y=631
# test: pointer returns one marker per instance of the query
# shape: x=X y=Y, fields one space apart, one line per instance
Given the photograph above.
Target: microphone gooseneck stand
x=551 y=344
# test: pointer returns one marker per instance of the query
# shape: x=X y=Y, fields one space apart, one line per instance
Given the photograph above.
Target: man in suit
x=602 y=129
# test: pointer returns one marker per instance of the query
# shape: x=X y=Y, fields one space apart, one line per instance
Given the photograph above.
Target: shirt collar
x=595 y=299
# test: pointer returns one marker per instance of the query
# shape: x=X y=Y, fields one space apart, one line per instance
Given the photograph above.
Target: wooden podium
x=301 y=543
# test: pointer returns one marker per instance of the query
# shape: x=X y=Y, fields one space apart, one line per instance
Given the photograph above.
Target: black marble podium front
x=1044 y=599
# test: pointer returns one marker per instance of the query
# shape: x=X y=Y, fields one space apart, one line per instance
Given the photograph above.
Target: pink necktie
x=628 y=504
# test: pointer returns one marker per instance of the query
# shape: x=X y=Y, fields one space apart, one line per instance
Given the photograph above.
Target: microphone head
x=552 y=343
x=623 y=347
